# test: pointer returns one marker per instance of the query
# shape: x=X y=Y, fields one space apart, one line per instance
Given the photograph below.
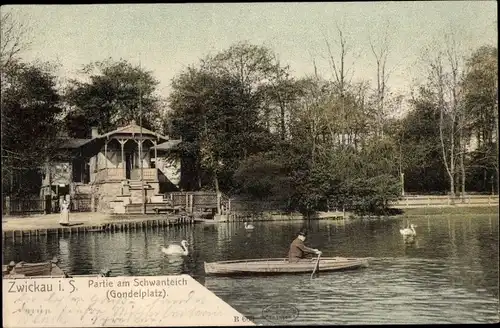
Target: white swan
x=249 y=226
x=176 y=249
x=409 y=231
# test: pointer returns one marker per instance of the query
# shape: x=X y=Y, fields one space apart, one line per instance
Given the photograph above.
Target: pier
x=33 y=226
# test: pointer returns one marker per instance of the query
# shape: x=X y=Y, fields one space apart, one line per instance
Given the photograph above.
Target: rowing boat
x=48 y=269
x=282 y=266
x=24 y=269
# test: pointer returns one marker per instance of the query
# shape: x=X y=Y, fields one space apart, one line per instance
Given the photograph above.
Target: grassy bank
x=465 y=210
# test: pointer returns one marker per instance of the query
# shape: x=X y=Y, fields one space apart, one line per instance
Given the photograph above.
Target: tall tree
x=219 y=125
x=446 y=73
x=244 y=83
x=381 y=53
x=111 y=97
x=280 y=92
x=265 y=81
x=481 y=100
x=30 y=108
x=419 y=140
x=341 y=82
x=251 y=64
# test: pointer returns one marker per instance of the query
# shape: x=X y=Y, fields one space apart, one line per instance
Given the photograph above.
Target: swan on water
x=176 y=249
x=409 y=231
x=249 y=226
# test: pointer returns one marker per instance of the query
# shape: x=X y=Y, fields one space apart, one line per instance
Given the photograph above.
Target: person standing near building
x=64 y=216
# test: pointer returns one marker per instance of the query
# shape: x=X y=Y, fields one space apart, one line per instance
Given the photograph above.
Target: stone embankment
x=33 y=225
x=269 y=216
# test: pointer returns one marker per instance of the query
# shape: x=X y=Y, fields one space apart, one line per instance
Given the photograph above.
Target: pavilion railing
x=148 y=174
x=118 y=174
x=110 y=174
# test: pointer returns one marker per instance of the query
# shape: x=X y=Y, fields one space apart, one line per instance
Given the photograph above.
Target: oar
x=316 y=266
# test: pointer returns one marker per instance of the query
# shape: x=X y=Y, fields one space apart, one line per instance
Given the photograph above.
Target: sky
x=166 y=38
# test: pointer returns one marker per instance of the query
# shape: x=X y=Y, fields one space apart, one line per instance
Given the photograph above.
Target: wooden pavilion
x=128 y=162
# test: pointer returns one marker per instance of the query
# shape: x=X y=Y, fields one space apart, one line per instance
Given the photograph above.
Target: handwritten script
x=113 y=302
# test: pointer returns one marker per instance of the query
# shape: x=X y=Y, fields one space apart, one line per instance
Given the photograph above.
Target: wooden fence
x=81 y=203
x=21 y=206
x=412 y=201
x=436 y=201
x=200 y=199
x=27 y=205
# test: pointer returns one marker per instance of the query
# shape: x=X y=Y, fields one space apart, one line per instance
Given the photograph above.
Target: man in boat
x=298 y=250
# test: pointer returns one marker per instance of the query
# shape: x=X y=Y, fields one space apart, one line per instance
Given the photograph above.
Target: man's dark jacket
x=298 y=250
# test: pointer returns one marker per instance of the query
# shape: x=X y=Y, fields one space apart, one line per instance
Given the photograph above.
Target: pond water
x=449 y=275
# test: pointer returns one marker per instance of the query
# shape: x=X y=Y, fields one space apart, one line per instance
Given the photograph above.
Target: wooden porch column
x=139 y=143
x=81 y=167
x=7 y=205
x=218 y=203
x=106 y=154
x=139 y=146
x=155 y=143
x=71 y=178
x=122 y=144
x=141 y=156
x=48 y=170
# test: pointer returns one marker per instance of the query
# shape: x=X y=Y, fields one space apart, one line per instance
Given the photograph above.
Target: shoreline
x=86 y=220
x=451 y=210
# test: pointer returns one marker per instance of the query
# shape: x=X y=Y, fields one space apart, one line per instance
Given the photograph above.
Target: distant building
x=109 y=167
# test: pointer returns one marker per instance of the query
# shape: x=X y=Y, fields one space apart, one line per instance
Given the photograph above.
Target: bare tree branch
x=381 y=54
x=14 y=38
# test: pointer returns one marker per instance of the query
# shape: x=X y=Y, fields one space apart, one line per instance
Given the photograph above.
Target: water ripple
x=447 y=276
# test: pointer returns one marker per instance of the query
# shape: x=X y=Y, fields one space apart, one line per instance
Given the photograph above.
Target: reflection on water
x=449 y=274
x=391 y=291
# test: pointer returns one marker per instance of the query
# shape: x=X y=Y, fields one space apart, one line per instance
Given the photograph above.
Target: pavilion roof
x=167 y=144
x=132 y=129
x=72 y=143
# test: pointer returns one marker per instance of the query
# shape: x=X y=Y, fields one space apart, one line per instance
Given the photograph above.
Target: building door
x=129 y=157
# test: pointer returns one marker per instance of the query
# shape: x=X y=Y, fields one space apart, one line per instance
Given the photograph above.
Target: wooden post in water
x=191 y=200
x=218 y=203
x=7 y=205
